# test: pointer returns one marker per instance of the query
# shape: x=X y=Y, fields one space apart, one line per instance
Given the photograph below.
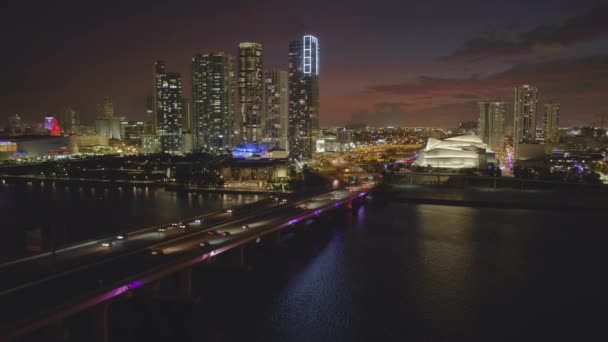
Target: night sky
x=432 y=59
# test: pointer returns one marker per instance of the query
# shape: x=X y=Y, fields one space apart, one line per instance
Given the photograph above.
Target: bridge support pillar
x=150 y=290
x=184 y=282
x=276 y=237
x=238 y=256
x=100 y=329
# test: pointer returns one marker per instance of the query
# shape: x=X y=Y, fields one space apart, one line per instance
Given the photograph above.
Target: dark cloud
x=544 y=38
x=466 y=96
x=569 y=81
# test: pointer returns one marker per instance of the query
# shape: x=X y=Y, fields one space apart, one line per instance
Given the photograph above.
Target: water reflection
x=91 y=210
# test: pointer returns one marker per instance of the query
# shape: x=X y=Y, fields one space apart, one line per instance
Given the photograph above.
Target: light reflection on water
x=93 y=210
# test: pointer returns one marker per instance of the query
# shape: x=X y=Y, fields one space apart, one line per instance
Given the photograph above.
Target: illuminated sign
x=311 y=46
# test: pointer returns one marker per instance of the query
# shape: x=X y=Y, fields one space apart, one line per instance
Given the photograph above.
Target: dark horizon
x=432 y=61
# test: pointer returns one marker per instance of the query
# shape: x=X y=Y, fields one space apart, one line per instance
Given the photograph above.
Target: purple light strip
x=151 y=278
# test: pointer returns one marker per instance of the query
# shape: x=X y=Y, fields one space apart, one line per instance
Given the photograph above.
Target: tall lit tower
x=550 y=124
x=251 y=90
x=491 y=124
x=303 y=96
x=168 y=102
x=212 y=96
x=276 y=118
x=524 y=116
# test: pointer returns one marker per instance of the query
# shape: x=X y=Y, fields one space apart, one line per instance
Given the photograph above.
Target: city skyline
x=438 y=74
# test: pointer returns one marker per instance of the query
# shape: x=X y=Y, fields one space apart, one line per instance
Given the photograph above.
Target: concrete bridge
x=84 y=280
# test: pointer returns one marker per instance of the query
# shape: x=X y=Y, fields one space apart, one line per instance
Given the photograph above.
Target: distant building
x=250 y=90
x=15 y=125
x=131 y=130
x=213 y=98
x=86 y=141
x=255 y=174
x=51 y=126
x=303 y=96
x=38 y=146
x=109 y=126
x=276 y=116
x=150 y=117
x=150 y=143
x=344 y=135
x=168 y=111
x=550 y=124
x=465 y=151
x=70 y=121
x=106 y=109
x=524 y=116
x=491 y=124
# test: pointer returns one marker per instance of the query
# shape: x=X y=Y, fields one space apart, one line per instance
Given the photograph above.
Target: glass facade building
x=251 y=90
x=276 y=120
x=524 y=116
x=550 y=124
x=168 y=102
x=491 y=124
x=212 y=95
x=303 y=127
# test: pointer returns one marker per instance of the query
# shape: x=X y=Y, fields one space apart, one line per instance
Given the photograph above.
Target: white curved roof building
x=465 y=151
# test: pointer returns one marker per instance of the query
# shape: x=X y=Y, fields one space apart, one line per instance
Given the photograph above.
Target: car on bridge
x=122 y=236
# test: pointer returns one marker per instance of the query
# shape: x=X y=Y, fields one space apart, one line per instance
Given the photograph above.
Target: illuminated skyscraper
x=276 y=118
x=168 y=101
x=251 y=90
x=303 y=96
x=212 y=95
x=550 y=124
x=491 y=124
x=524 y=116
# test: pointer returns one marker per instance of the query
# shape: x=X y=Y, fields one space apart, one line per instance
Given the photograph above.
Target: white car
x=245 y=226
x=229 y=211
x=198 y=221
x=106 y=244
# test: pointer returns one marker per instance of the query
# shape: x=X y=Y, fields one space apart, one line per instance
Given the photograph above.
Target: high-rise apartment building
x=212 y=106
x=70 y=121
x=491 y=124
x=15 y=124
x=524 y=116
x=150 y=117
x=251 y=91
x=168 y=102
x=276 y=117
x=550 y=123
x=303 y=96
